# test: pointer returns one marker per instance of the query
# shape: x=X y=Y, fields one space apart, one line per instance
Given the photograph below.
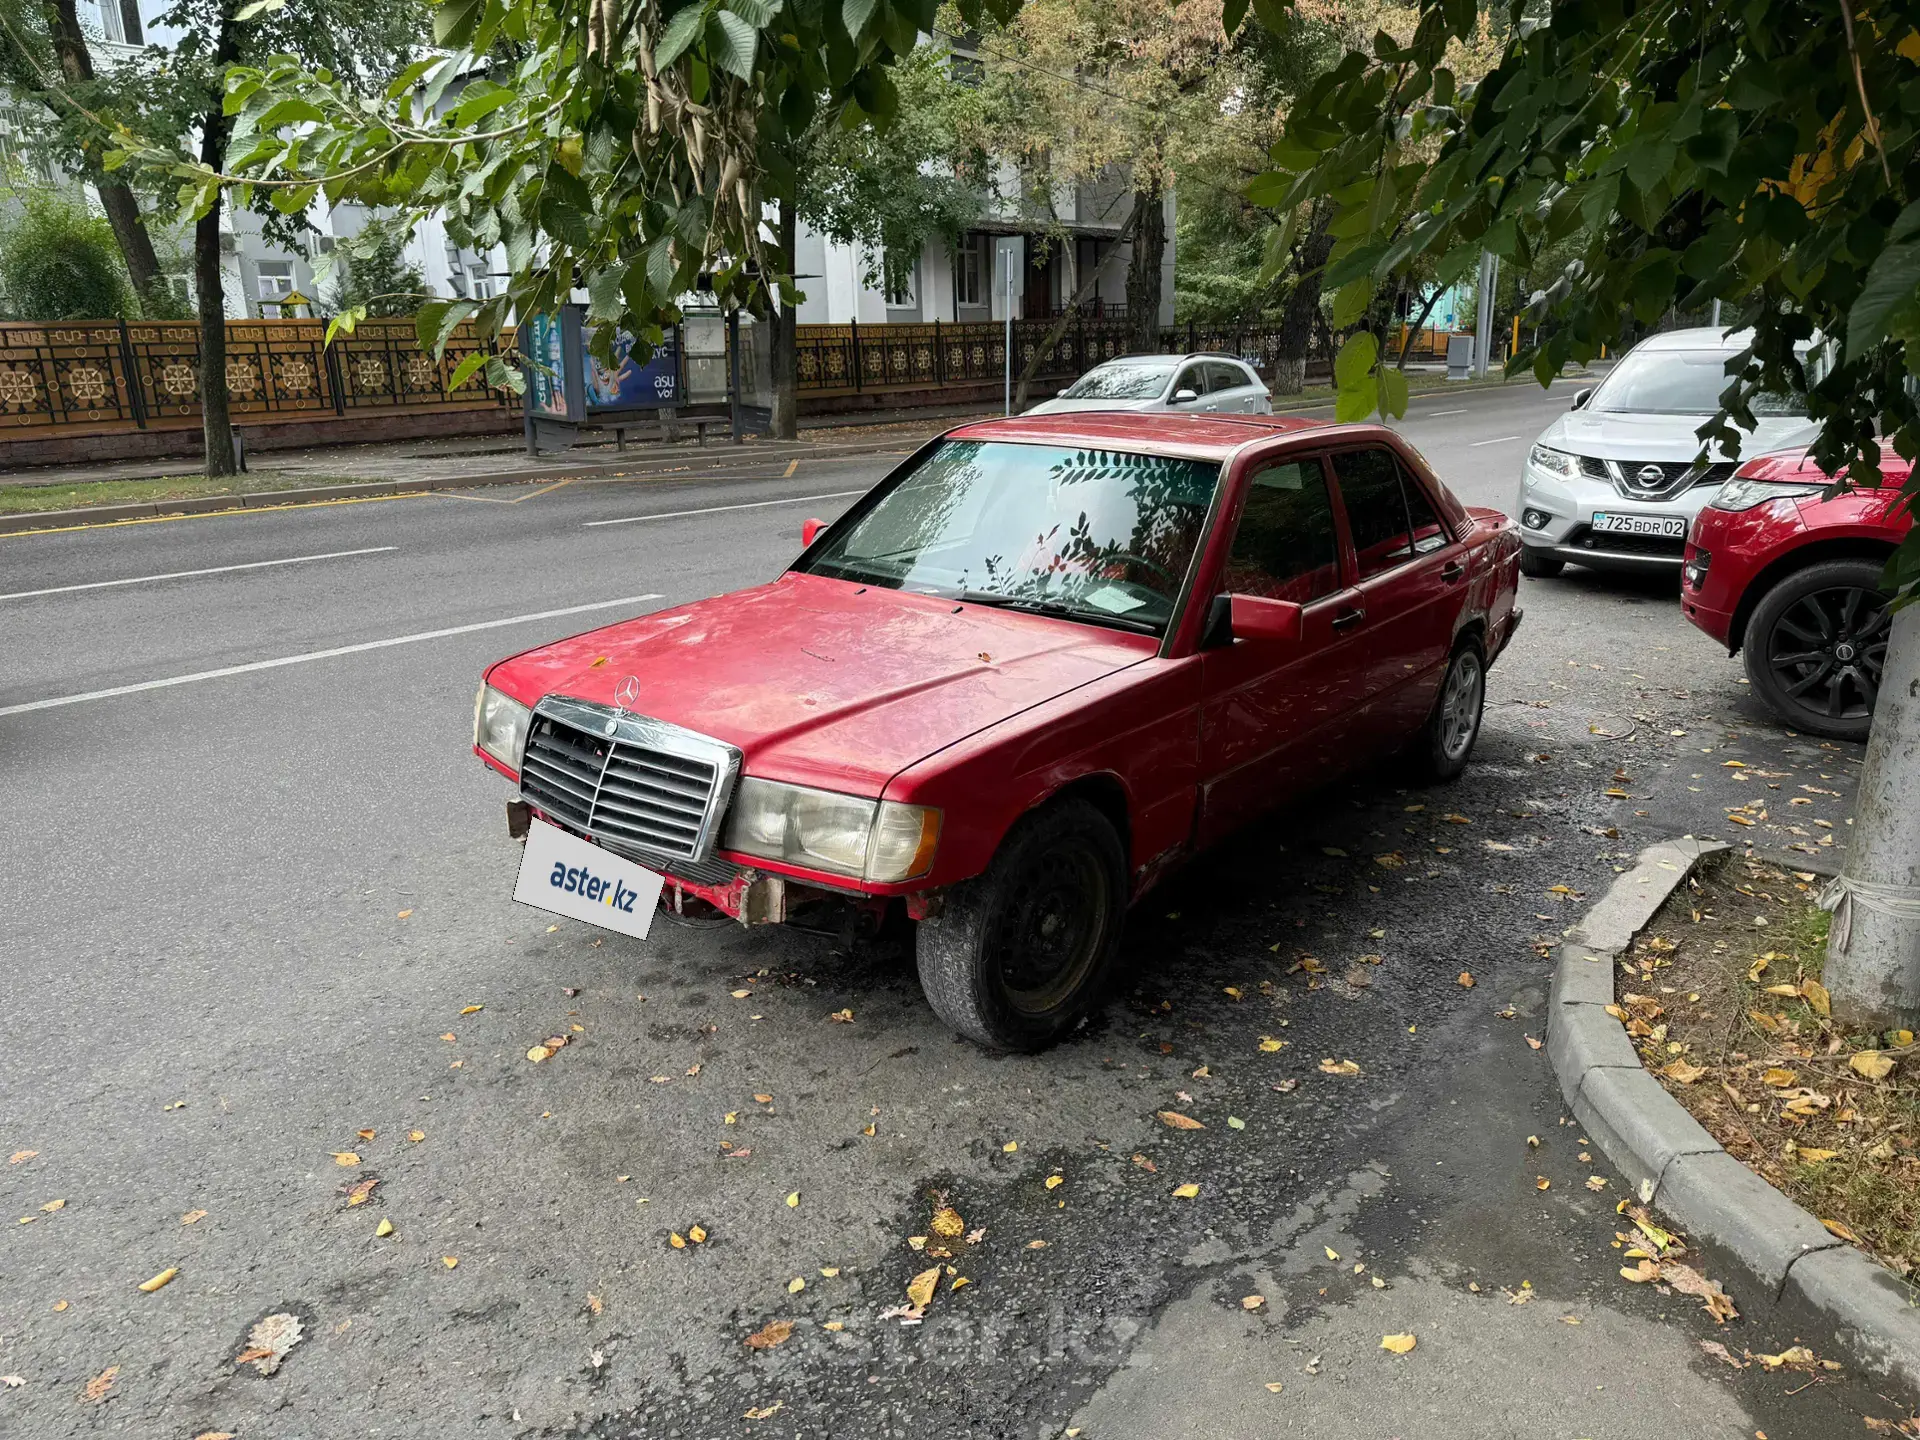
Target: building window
x=898 y=282
x=970 y=270
x=479 y=284
x=273 y=279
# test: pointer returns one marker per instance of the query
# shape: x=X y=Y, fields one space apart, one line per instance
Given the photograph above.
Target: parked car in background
x=1617 y=481
x=1792 y=580
x=1038 y=666
x=1186 y=384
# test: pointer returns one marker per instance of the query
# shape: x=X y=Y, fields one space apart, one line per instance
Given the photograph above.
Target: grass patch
x=29 y=499
x=1722 y=995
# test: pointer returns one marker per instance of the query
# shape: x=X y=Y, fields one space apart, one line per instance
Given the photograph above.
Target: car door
x=1191 y=377
x=1273 y=712
x=1232 y=388
x=1409 y=571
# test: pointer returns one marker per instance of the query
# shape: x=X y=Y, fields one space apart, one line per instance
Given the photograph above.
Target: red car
x=1793 y=580
x=1037 y=666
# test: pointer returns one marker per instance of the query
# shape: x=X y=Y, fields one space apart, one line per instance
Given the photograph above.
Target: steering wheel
x=1173 y=581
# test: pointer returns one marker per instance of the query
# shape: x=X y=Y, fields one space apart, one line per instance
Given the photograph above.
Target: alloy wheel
x=1827 y=651
x=1460 y=705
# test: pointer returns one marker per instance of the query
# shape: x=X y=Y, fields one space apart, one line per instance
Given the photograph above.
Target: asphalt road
x=254 y=887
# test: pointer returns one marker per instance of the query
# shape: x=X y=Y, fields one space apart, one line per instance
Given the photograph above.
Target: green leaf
x=856 y=13
x=1232 y=13
x=453 y=22
x=1355 y=362
x=259 y=7
x=1393 y=391
x=436 y=321
x=603 y=292
x=478 y=100
x=464 y=370
x=680 y=33
x=738 y=40
x=1269 y=189
x=1350 y=302
x=343 y=323
x=1889 y=285
x=290 y=112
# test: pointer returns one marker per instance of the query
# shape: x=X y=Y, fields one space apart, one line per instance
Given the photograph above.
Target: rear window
x=1131 y=381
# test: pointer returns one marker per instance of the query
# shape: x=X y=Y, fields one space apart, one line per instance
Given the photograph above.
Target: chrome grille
x=1637 y=480
x=637 y=785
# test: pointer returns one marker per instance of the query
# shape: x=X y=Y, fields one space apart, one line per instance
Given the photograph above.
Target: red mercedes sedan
x=1792 y=579
x=1044 y=661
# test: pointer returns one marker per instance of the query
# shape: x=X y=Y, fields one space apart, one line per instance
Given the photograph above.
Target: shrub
x=59 y=262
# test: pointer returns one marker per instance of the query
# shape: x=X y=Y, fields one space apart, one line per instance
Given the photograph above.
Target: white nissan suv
x=1617 y=481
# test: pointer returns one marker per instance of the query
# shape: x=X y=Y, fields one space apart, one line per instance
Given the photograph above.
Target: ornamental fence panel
x=112 y=375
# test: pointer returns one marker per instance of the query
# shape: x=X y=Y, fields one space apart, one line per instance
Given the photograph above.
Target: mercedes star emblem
x=628 y=693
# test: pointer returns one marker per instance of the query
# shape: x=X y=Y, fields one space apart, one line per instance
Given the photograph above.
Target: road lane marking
x=1497 y=440
x=497 y=500
x=338 y=650
x=717 y=509
x=187 y=574
x=216 y=514
x=1436 y=414
x=792 y=465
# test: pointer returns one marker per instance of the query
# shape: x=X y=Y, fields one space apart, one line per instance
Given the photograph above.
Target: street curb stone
x=1788 y=1260
x=664 y=467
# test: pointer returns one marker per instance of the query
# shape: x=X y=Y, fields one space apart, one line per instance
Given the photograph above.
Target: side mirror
x=1581 y=398
x=1181 y=397
x=1256 y=618
x=810 y=530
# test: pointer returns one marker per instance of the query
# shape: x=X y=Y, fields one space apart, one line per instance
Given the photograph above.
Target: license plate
x=1607 y=523
x=564 y=875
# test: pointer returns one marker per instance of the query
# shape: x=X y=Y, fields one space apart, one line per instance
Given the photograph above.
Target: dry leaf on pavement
x=1689 y=1281
x=99 y=1385
x=1398 y=1344
x=193 y=1217
x=1252 y=1302
x=1872 y=1064
x=1174 y=1120
x=763 y=1412
x=1466 y=979
x=345 y=1158
x=920 y=1289
x=1339 y=1067
x=20 y=1157
x=770 y=1334
x=1186 y=1192
x=269 y=1341
x=1682 y=1073
x=160 y=1281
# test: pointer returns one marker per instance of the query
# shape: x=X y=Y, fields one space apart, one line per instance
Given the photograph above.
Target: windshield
x=1680 y=382
x=1101 y=535
x=1133 y=380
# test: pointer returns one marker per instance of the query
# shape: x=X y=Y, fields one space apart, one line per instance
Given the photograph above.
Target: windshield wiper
x=1058 y=609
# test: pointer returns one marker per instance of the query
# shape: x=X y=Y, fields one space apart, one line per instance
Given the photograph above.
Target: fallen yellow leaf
x=383 y=1229
x=1466 y=979
x=160 y=1281
x=1010 y=1146
x=1054 y=1182
x=53 y=1205
x=1810 y=1156
x=676 y=1240
x=1339 y=1067
x=1252 y=1302
x=697 y=1234
x=1683 y=1073
x=793 y=1201
x=1186 y=1192
x=1270 y=1045
x=471 y=1009
x=1779 y=1077
x=770 y=1334
x=1174 y=1120
x=193 y=1217
x=450 y=1261
x=947 y=1223
x=796 y=1285
x=1398 y=1344
x=1872 y=1064
x=920 y=1289
x=1332 y=1254
x=1817 y=997
x=345 y=1158
x=836 y=1326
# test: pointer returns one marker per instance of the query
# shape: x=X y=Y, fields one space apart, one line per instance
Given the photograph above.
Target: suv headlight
x=1745 y=494
x=1554 y=462
x=500 y=725
x=878 y=840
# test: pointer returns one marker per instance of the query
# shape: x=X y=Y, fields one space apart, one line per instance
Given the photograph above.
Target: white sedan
x=1182 y=384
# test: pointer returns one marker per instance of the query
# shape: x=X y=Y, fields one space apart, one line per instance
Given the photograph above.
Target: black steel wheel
x=1816 y=645
x=1017 y=956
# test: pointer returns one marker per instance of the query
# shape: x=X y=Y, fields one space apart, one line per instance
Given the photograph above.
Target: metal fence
x=109 y=375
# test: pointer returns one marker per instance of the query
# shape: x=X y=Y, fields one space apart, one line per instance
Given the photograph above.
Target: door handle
x=1348 y=618
x=1452 y=571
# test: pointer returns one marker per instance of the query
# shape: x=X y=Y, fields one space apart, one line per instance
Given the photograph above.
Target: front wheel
x=1539 y=563
x=1816 y=644
x=1441 y=750
x=1020 y=954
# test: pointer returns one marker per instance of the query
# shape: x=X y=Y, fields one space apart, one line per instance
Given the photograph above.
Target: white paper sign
x=564 y=875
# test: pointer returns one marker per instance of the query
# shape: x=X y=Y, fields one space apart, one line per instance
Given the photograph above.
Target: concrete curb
x=665 y=467
x=1784 y=1255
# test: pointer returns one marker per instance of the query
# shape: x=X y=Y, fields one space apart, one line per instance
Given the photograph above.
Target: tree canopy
x=1762 y=154
x=57 y=262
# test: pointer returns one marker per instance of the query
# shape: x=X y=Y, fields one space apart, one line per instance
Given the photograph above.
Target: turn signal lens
x=904 y=840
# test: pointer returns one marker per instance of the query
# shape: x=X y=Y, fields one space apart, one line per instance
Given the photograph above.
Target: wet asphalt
x=247 y=916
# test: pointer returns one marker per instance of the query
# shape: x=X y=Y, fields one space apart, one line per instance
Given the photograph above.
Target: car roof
x=1699 y=337
x=1158 y=357
x=1194 y=437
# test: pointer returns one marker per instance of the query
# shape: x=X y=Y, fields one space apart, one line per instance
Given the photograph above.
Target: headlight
x=500 y=725
x=1554 y=462
x=1745 y=494
x=878 y=840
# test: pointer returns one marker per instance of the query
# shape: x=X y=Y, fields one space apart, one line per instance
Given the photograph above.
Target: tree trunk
x=1419 y=325
x=1303 y=308
x=1149 y=221
x=1059 y=328
x=785 y=423
x=209 y=298
x=1873 y=949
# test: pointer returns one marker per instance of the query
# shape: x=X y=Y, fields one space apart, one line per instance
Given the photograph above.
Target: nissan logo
x=1650 y=475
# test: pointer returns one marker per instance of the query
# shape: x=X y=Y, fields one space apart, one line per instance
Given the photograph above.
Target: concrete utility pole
x=1483 y=312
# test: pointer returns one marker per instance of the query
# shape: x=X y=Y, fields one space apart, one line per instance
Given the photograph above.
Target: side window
x=1192 y=378
x=1286 y=547
x=1222 y=376
x=1376 y=509
x=1429 y=534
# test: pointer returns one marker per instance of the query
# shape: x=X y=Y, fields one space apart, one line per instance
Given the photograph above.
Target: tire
x=1815 y=645
x=1060 y=867
x=1539 y=564
x=1445 y=743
